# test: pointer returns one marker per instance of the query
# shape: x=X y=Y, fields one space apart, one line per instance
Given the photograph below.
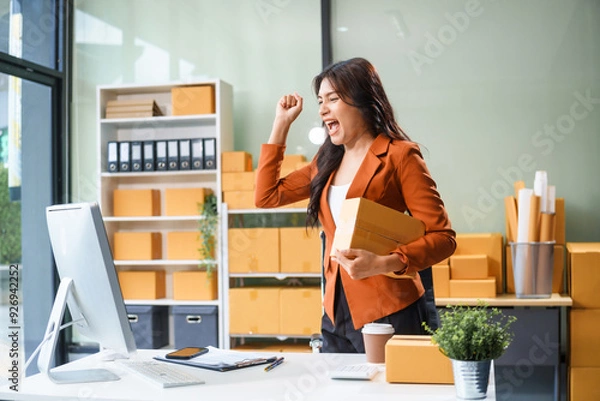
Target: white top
x=335 y=198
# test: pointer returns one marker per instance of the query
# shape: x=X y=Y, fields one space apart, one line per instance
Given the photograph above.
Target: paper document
x=222 y=360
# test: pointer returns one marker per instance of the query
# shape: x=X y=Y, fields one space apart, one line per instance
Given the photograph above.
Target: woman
x=366 y=154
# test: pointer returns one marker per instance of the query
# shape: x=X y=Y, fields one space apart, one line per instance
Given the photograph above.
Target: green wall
x=492 y=90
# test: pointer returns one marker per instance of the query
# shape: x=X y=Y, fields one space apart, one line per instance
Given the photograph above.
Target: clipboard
x=221 y=360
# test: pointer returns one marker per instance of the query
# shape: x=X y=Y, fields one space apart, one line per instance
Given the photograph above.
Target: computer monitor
x=88 y=286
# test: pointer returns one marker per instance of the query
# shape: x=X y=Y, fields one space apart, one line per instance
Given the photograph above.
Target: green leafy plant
x=472 y=333
x=207 y=226
x=10 y=223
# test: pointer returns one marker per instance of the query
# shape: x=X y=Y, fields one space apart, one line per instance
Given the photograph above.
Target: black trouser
x=343 y=338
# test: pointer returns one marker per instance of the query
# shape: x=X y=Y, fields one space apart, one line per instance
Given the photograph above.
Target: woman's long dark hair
x=357 y=83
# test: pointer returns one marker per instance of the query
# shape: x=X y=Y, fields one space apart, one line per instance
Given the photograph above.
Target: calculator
x=361 y=371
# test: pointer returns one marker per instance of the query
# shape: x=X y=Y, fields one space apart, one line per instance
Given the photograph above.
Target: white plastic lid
x=378 y=328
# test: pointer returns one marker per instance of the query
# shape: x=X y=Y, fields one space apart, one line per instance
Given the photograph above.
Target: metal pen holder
x=533 y=265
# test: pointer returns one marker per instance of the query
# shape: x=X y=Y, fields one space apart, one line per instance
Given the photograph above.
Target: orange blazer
x=393 y=174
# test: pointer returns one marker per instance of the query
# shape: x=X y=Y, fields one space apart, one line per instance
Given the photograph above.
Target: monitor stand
x=48 y=348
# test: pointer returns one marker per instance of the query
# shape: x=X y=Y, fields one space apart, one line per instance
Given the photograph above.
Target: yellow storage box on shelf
x=238 y=181
x=301 y=311
x=300 y=250
x=583 y=263
x=583 y=384
x=254 y=250
x=190 y=285
x=235 y=162
x=584 y=326
x=185 y=201
x=137 y=284
x=254 y=310
x=133 y=245
x=239 y=199
x=136 y=202
x=184 y=245
x=193 y=99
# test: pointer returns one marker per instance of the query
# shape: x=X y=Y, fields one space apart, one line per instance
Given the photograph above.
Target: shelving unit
x=218 y=125
x=239 y=279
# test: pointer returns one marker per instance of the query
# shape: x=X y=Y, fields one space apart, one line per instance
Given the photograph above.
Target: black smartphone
x=186 y=353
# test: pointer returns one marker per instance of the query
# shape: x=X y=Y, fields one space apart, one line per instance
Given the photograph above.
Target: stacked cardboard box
x=474 y=270
x=274 y=250
x=179 y=245
x=275 y=311
x=583 y=267
x=238 y=179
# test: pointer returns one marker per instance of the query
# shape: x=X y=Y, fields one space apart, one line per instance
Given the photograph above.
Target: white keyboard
x=354 y=372
x=160 y=374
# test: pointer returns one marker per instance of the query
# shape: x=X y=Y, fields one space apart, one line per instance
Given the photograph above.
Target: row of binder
x=162 y=155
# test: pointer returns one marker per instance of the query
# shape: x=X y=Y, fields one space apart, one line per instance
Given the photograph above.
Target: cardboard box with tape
x=368 y=225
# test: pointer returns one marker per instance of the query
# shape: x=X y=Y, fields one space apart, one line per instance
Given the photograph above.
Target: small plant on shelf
x=207 y=226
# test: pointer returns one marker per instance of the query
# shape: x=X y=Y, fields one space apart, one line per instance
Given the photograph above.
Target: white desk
x=302 y=377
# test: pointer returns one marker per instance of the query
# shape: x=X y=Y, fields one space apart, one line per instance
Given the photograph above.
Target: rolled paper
x=551 y=201
x=524 y=204
x=534 y=219
x=547 y=227
x=540 y=188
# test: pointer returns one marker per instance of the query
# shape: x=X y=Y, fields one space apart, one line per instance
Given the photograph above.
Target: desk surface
x=300 y=377
x=509 y=300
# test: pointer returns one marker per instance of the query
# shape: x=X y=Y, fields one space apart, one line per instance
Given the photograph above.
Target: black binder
x=161 y=155
x=173 y=155
x=124 y=157
x=136 y=156
x=112 y=157
x=197 y=154
x=184 y=154
x=210 y=153
x=149 y=161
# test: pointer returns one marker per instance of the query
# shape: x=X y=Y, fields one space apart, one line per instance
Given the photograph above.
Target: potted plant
x=207 y=226
x=472 y=337
x=201 y=285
